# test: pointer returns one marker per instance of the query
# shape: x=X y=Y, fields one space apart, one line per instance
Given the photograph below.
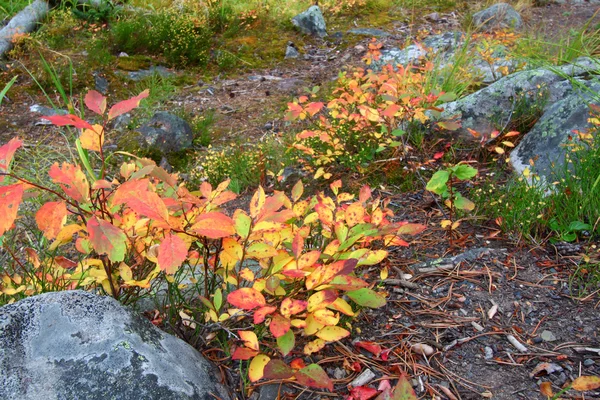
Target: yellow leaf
x=250 y=339
x=445 y=223
x=332 y=333
x=92 y=139
x=312 y=325
x=355 y=214
x=499 y=150
x=247 y=274
x=314 y=346
x=257 y=367
x=508 y=144
x=257 y=202
x=342 y=306
x=65 y=235
x=326 y=317
x=383 y=274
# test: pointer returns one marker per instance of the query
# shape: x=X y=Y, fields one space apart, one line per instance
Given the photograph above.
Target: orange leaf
x=95 y=102
x=127 y=105
x=325 y=214
x=51 y=217
x=72 y=181
x=243 y=353
x=279 y=325
x=355 y=214
x=214 y=225
x=172 y=252
x=7 y=152
x=307 y=260
x=10 y=199
x=261 y=313
x=584 y=383
x=546 y=389
x=246 y=298
x=291 y=307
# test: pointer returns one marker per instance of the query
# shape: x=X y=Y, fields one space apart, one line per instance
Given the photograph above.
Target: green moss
x=134 y=63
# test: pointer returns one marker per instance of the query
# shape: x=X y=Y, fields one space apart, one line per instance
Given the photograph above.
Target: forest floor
x=465 y=310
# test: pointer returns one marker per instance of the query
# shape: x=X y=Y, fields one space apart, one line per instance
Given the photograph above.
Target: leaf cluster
x=287 y=263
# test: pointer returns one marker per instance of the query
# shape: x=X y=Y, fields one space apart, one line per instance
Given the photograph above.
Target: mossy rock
x=134 y=63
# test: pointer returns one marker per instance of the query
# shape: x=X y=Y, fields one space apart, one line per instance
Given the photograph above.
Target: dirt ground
x=466 y=310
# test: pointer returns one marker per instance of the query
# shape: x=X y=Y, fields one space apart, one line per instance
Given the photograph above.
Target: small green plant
x=7 y=88
x=442 y=184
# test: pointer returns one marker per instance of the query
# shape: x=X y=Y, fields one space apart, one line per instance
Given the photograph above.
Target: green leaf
x=463 y=203
x=402 y=391
x=7 y=88
x=446 y=97
x=437 y=183
x=218 y=299
x=463 y=171
x=286 y=342
x=577 y=226
x=398 y=132
x=367 y=298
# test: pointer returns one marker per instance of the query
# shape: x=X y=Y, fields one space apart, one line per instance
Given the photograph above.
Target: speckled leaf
x=257 y=367
x=277 y=369
x=367 y=298
x=313 y=376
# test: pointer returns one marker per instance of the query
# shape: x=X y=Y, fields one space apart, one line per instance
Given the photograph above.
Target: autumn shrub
x=369 y=113
x=288 y=267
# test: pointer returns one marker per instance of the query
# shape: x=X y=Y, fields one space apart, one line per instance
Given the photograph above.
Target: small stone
x=360 y=48
x=339 y=373
x=434 y=17
x=311 y=22
x=101 y=84
x=291 y=51
x=489 y=353
x=422 y=348
x=123 y=54
x=588 y=362
x=548 y=336
x=537 y=340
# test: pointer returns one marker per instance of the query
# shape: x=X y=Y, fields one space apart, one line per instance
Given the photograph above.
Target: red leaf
x=246 y=298
x=297 y=363
x=127 y=105
x=72 y=181
x=261 y=314
x=277 y=369
x=69 y=119
x=363 y=393
x=313 y=108
x=243 y=353
x=172 y=252
x=51 y=217
x=364 y=194
x=214 y=225
x=371 y=347
x=7 y=152
x=291 y=307
x=10 y=199
x=438 y=155
x=95 y=102
x=313 y=376
x=107 y=239
x=279 y=325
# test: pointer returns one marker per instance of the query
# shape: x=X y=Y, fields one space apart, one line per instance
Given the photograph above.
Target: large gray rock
x=166 y=133
x=498 y=16
x=444 y=49
x=76 y=345
x=544 y=144
x=311 y=22
x=492 y=108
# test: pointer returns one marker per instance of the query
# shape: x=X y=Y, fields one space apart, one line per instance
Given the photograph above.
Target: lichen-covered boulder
x=166 y=133
x=545 y=143
x=311 y=22
x=492 y=107
x=77 y=345
x=498 y=16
